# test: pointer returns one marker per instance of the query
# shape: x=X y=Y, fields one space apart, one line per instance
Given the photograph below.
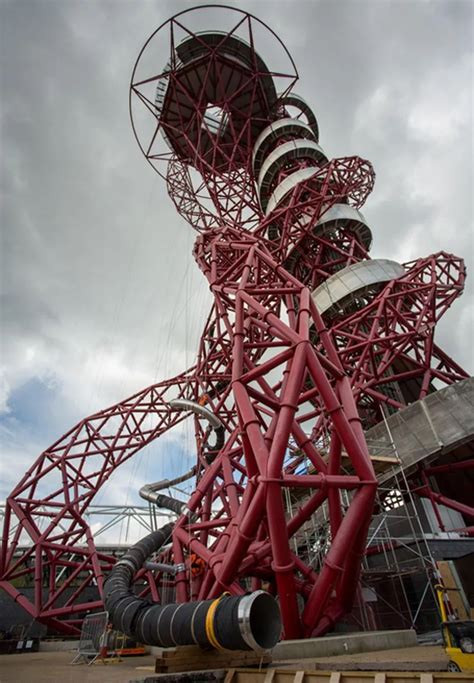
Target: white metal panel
x=354 y=280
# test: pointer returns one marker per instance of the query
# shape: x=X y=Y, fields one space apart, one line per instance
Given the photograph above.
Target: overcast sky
x=100 y=294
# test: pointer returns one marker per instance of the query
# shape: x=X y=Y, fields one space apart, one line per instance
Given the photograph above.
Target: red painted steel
x=294 y=390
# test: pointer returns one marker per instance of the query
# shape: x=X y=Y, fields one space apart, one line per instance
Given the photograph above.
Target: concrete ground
x=55 y=667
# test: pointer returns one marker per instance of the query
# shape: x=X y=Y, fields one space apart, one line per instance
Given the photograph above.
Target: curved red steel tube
x=294 y=387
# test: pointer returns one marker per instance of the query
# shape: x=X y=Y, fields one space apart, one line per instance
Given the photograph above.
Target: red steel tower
x=308 y=345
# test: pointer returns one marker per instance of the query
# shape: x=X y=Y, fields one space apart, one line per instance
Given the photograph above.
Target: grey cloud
x=97 y=264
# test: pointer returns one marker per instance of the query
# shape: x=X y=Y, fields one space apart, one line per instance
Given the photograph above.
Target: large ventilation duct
x=248 y=622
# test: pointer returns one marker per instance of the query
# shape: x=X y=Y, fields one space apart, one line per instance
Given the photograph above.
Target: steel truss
x=294 y=388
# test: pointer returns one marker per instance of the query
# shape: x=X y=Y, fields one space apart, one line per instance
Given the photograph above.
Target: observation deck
x=219 y=91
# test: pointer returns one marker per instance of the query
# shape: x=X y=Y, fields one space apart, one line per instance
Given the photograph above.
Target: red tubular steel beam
x=293 y=387
x=449 y=467
x=438 y=498
x=335 y=560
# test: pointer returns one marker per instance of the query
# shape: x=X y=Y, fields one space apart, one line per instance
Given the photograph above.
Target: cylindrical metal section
x=288 y=128
x=197 y=409
x=216 y=424
x=150 y=493
x=346 y=290
x=286 y=186
x=296 y=101
x=284 y=148
x=289 y=153
x=344 y=217
x=162 y=567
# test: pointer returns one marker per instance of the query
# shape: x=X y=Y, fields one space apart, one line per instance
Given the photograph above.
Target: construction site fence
x=93 y=629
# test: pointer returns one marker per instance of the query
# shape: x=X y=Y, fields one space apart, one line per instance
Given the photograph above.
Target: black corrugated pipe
x=248 y=622
x=244 y=622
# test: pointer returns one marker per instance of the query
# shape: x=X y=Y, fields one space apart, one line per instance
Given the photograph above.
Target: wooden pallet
x=193 y=658
x=300 y=676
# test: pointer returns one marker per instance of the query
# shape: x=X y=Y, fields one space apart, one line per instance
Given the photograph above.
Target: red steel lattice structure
x=295 y=367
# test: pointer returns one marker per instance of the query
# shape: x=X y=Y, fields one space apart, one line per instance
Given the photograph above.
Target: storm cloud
x=100 y=294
